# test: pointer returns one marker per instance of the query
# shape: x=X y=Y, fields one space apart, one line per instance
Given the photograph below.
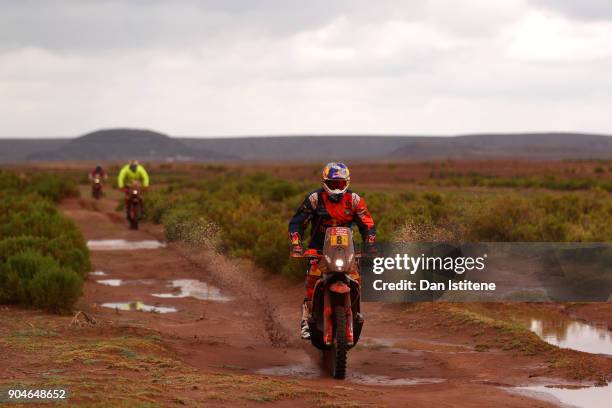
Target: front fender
x=339 y=287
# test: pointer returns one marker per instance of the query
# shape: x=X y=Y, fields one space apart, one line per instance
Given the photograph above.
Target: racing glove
x=296 y=251
x=370 y=247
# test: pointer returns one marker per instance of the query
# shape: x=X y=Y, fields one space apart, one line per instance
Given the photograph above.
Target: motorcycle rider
x=334 y=205
x=98 y=171
x=131 y=172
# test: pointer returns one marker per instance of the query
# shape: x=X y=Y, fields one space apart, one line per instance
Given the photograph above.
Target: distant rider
x=334 y=205
x=99 y=172
x=131 y=172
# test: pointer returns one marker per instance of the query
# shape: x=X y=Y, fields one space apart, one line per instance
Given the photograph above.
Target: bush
x=17 y=272
x=505 y=219
x=30 y=278
x=31 y=215
x=49 y=186
x=251 y=212
x=55 y=289
x=43 y=255
x=62 y=248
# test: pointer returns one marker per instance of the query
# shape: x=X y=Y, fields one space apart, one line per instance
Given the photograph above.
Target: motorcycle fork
x=349 y=319
x=327 y=321
x=134 y=208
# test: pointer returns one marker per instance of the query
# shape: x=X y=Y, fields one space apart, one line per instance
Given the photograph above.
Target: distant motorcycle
x=96 y=188
x=336 y=320
x=134 y=205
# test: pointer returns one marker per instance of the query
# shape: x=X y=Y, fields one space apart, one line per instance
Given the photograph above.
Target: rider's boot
x=304 y=329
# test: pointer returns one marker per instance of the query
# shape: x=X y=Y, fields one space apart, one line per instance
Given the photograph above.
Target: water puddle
x=583 y=397
x=305 y=371
x=367 y=379
x=194 y=288
x=98 y=273
x=121 y=282
x=139 y=306
x=572 y=334
x=296 y=370
x=110 y=282
x=122 y=244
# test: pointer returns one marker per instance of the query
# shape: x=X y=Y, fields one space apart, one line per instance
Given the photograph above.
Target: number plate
x=339 y=237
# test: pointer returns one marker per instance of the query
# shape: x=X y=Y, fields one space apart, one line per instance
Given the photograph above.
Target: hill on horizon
x=122 y=144
x=545 y=146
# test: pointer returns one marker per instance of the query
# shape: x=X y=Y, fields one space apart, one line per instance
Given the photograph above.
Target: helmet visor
x=336 y=184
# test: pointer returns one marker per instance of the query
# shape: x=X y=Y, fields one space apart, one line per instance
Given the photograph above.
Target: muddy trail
x=224 y=317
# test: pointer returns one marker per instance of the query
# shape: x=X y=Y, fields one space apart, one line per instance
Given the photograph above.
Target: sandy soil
x=414 y=356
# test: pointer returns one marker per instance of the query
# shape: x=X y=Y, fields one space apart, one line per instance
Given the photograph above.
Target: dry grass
x=101 y=368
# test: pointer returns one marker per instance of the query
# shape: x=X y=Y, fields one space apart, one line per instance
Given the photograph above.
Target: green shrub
x=458 y=179
x=18 y=271
x=42 y=253
x=55 y=289
x=31 y=215
x=52 y=187
x=14 y=245
x=251 y=212
x=62 y=248
x=30 y=278
x=70 y=251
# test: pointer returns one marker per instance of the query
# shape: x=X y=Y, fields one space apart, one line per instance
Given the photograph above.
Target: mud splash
x=306 y=371
x=122 y=245
x=138 y=307
x=583 y=397
x=194 y=288
x=572 y=334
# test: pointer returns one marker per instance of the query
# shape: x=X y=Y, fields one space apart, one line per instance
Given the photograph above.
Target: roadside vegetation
x=43 y=256
x=245 y=214
x=550 y=182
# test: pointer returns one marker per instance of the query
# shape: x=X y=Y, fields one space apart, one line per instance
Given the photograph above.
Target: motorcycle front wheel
x=133 y=211
x=339 y=348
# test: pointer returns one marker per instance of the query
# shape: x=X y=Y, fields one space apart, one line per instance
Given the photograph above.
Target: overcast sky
x=222 y=67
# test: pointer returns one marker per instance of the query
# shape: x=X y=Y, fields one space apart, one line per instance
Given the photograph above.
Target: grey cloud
x=579 y=9
x=87 y=26
x=244 y=67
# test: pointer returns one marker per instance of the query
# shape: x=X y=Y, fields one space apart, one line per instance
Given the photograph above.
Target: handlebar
x=314 y=254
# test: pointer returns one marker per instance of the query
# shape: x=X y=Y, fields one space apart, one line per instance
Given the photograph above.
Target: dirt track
x=404 y=359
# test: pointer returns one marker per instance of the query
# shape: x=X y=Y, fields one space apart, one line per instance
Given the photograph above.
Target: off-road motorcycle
x=96 y=187
x=336 y=320
x=134 y=207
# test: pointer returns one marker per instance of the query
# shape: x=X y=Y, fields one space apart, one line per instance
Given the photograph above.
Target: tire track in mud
x=240 y=278
x=214 y=268
x=273 y=328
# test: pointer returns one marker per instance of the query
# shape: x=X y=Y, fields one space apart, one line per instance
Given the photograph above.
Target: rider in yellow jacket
x=131 y=172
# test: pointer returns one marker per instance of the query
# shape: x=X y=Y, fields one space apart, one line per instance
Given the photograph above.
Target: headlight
x=135 y=192
x=339 y=263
